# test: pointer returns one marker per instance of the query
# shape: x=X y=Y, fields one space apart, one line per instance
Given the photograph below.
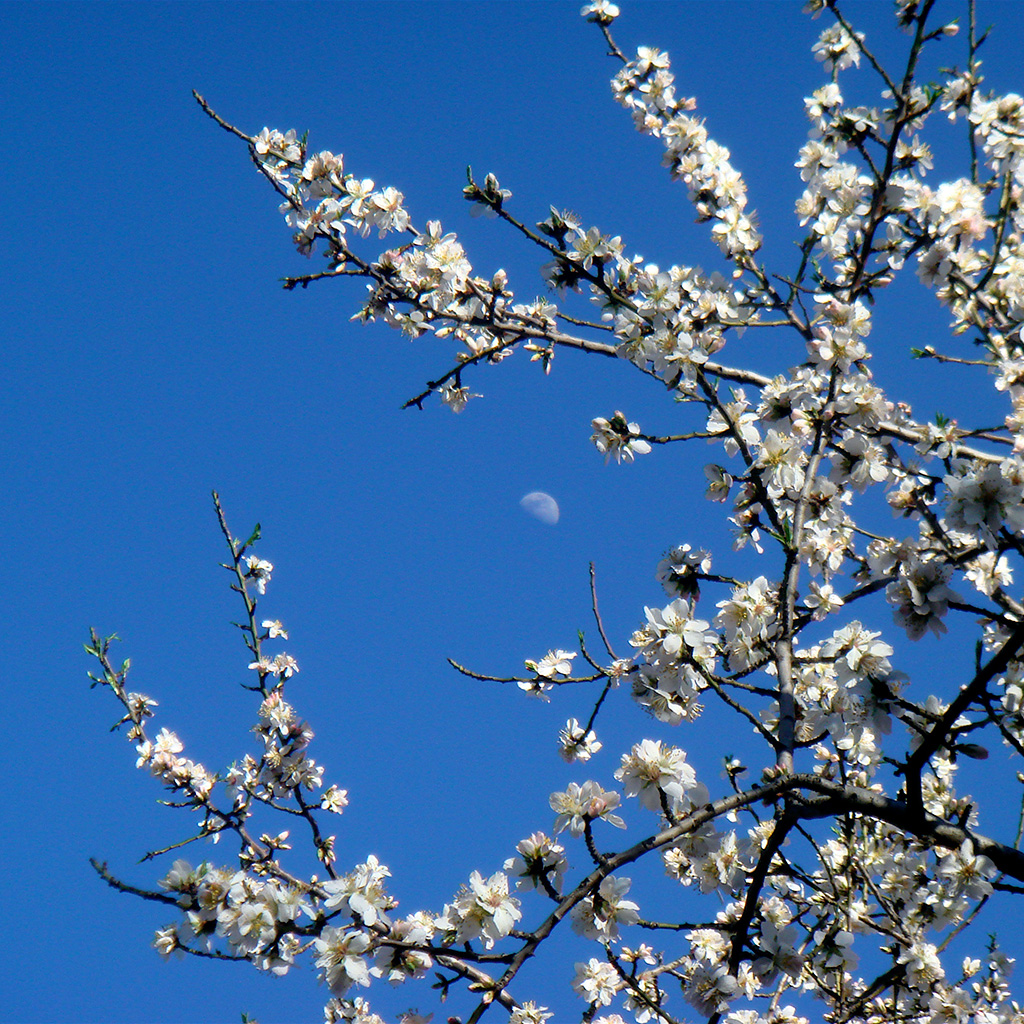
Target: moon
x=541 y=506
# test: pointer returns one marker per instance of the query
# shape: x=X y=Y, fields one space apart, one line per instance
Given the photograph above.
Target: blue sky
x=152 y=356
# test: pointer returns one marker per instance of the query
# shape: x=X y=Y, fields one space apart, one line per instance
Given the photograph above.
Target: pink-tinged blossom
x=580 y=804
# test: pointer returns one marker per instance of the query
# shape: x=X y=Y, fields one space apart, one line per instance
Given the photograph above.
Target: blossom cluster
x=646 y=86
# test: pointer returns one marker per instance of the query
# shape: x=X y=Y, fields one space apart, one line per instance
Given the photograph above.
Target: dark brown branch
x=939 y=734
x=209 y=111
x=115 y=883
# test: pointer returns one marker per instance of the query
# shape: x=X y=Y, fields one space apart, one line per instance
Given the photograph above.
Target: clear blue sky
x=151 y=355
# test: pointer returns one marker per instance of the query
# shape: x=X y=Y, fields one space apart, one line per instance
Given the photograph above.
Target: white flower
x=987 y=572
x=386 y=213
x=284 y=666
x=398 y=964
x=160 y=755
x=719 y=482
x=456 y=397
x=598 y=916
x=859 y=654
x=166 y=941
x=484 y=909
x=836 y=48
x=924 y=969
x=601 y=11
x=835 y=951
x=969 y=873
x=709 y=987
x=142 y=706
x=720 y=866
x=272 y=147
x=259 y=571
x=616 y=437
x=983 y=500
x=539 y=857
x=285 y=904
x=597 y=982
x=654 y=772
x=339 y=955
x=256 y=926
x=361 y=893
x=822 y=600
x=575 y=744
x=672 y=636
x=736 y=422
x=334 y=800
x=553 y=663
x=677 y=571
x=920 y=595
x=529 y=1013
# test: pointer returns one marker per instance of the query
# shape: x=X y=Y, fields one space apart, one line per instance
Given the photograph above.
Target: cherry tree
x=834 y=869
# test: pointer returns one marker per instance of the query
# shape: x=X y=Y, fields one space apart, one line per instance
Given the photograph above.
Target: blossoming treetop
x=844 y=862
